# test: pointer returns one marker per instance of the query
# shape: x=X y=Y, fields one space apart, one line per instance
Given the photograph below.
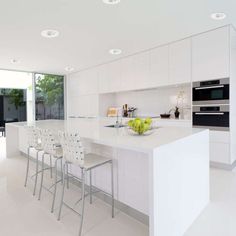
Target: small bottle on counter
x=125 y=110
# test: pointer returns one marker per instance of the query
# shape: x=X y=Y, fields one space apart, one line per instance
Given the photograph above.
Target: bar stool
x=34 y=142
x=52 y=148
x=73 y=153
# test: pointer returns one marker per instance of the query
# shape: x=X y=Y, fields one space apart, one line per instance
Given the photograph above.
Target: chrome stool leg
x=112 y=190
x=90 y=187
x=50 y=166
x=55 y=186
x=42 y=174
x=67 y=175
x=27 y=168
x=37 y=170
x=83 y=202
x=61 y=171
x=63 y=191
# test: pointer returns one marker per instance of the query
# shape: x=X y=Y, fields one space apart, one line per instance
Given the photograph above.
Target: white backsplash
x=157 y=101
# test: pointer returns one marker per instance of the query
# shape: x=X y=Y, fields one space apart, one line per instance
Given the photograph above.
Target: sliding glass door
x=12 y=105
x=49 y=96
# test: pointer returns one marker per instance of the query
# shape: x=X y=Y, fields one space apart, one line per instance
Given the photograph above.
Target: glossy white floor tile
x=2 y=148
x=22 y=214
x=219 y=218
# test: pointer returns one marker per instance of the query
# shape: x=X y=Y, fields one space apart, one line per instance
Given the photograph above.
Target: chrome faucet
x=118 y=124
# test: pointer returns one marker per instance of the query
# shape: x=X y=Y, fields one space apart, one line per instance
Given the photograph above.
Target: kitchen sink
x=115 y=126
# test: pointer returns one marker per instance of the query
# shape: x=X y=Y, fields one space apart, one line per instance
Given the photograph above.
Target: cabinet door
x=135 y=72
x=104 y=82
x=220 y=152
x=159 y=67
x=210 y=55
x=109 y=77
x=83 y=83
x=127 y=75
x=73 y=84
x=180 y=62
x=140 y=70
x=88 y=82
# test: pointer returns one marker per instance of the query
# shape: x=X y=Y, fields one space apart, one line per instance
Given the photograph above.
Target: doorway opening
x=15 y=101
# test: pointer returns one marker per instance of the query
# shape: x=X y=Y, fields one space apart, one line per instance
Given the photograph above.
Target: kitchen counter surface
x=95 y=131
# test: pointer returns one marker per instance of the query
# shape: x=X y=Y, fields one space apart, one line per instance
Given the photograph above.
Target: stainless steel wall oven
x=211 y=104
x=213 y=91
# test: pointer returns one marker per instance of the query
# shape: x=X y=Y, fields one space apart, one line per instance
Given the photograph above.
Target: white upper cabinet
x=109 y=77
x=88 y=81
x=134 y=72
x=140 y=70
x=180 y=62
x=73 y=84
x=83 y=83
x=159 y=67
x=211 y=55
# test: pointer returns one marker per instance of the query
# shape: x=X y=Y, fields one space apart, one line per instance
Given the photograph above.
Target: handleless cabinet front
x=211 y=55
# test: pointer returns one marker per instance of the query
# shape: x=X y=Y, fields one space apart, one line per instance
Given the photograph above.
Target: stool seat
x=38 y=147
x=92 y=160
x=58 y=152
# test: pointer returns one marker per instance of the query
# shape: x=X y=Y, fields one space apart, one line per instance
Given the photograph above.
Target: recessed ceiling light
x=111 y=2
x=218 y=16
x=69 y=69
x=115 y=51
x=15 y=61
x=50 y=33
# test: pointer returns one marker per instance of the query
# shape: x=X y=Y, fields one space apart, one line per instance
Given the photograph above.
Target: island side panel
x=12 y=141
x=180 y=184
x=130 y=176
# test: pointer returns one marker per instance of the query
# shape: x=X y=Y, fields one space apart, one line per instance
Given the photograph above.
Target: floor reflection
x=2 y=148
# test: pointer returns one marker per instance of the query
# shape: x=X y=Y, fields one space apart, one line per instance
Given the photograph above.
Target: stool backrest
x=49 y=141
x=73 y=150
x=33 y=136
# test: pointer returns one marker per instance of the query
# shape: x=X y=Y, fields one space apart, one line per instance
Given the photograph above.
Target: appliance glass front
x=216 y=91
x=211 y=116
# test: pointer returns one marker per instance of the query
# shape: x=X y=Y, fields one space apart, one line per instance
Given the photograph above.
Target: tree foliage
x=16 y=97
x=49 y=89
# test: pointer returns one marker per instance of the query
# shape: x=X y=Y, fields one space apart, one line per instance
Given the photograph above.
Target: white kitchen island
x=164 y=175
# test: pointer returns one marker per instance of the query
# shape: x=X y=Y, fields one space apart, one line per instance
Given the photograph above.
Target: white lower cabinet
x=220 y=153
x=219 y=136
x=220 y=147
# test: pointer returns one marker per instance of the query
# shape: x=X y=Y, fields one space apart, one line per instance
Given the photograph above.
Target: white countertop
x=94 y=131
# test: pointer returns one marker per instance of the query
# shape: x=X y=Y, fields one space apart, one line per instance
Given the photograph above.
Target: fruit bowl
x=140 y=126
x=133 y=133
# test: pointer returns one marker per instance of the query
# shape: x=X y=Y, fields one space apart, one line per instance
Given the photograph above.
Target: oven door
x=218 y=94
x=216 y=118
x=211 y=92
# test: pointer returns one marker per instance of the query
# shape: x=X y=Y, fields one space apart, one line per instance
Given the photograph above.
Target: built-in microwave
x=211 y=92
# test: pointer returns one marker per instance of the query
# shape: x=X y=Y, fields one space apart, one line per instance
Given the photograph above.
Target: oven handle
x=210 y=87
x=210 y=113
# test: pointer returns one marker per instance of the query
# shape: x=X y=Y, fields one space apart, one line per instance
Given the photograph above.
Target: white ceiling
x=89 y=28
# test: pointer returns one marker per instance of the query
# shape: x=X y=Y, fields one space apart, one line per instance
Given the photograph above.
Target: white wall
x=151 y=102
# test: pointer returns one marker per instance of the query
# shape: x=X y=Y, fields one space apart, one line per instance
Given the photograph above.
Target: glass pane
x=17 y=81
x=49 y=97
x=12 y=105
